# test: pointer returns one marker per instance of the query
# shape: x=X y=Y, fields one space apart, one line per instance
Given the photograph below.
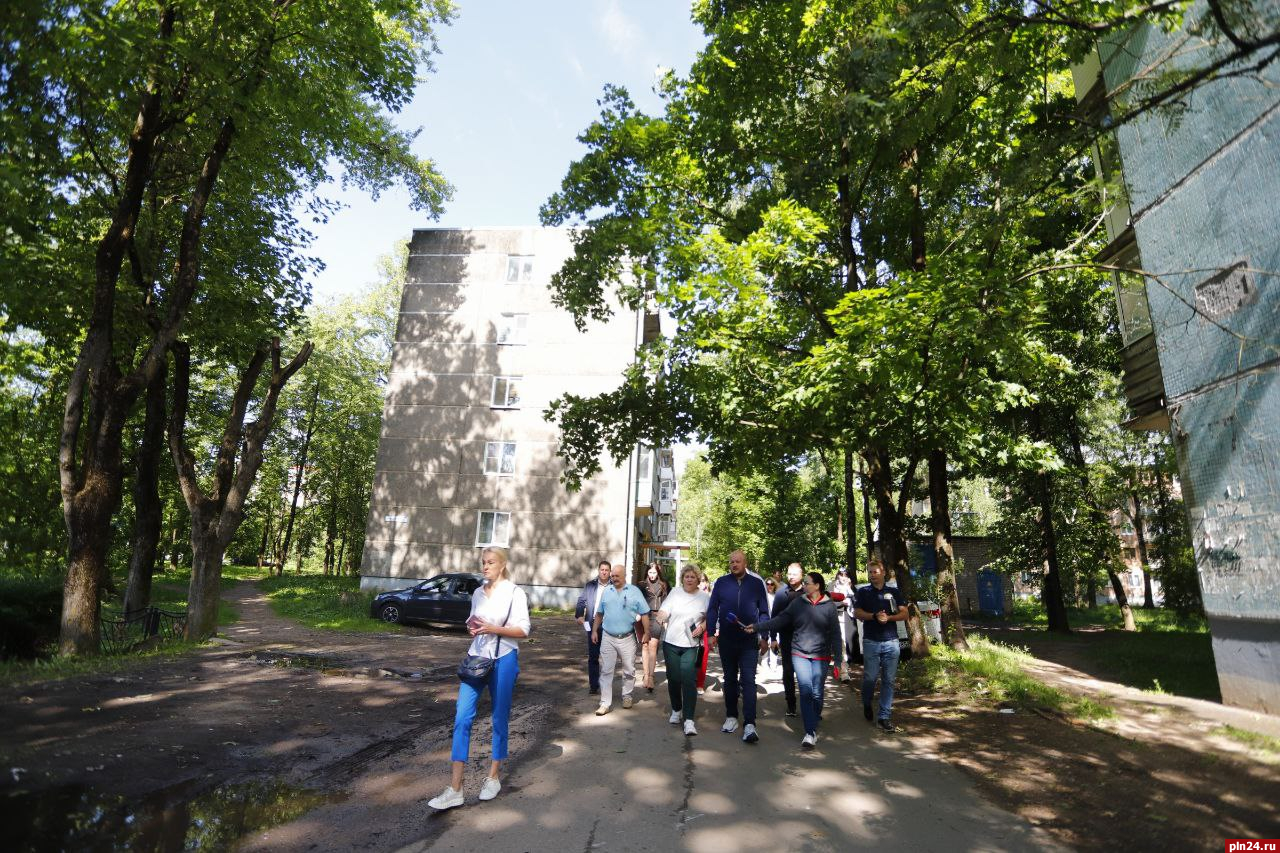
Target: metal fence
x=131 y=630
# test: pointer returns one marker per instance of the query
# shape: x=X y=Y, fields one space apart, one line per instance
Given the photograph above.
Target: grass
x=991 y=673
x=169 y=592
x=323 y=601
x=1260 y=742
x=18 y=672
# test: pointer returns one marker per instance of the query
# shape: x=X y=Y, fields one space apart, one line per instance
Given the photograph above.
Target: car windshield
x=434 y=585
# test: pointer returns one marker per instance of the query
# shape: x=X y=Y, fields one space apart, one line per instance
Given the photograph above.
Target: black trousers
x=593 y=664
x=788 y=673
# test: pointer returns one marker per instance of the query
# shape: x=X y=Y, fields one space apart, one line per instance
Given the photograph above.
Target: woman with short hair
x=684 y=613
x=499 y=620
x=815 y=645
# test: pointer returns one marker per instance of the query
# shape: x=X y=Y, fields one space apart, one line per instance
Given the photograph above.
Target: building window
x=666 y=527
x=666 y=488
x=499 y=457
x=493 y=528
x=506 y=392
x=513 y=329
x=519 y=269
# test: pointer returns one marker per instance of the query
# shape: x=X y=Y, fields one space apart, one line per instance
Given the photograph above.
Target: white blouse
x=506 y=595
x=683 y=611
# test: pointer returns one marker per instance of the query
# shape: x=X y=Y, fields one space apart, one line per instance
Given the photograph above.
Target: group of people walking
x=806 y=625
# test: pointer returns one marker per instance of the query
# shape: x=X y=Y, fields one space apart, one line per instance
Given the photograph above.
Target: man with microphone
x=879 y=608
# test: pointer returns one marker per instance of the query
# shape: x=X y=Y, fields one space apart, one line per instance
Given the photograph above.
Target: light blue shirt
x=618 y=610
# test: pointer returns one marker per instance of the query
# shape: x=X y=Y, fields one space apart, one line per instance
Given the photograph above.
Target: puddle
x=190 y=816
x=287 y=659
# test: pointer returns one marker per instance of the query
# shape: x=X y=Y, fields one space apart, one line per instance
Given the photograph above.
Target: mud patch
x=191 y=815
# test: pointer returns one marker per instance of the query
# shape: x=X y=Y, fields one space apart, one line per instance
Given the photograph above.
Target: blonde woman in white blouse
x=499 y=620
x=684 y=611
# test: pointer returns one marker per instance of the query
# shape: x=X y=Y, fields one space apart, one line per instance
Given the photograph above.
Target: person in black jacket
x=781 y=640
x=738 y=599
x=814 y=622
x=584 y=612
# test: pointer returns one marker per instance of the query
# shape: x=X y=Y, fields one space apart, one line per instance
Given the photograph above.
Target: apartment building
x=466 y=458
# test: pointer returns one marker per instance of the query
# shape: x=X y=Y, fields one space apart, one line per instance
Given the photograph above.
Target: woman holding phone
x=499 y=620
x=684 y=612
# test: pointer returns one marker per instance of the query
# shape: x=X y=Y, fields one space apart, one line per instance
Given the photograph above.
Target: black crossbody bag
x=480 y=667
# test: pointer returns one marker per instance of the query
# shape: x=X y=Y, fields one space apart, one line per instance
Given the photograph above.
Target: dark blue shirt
x=874 y=600
x=747 y=599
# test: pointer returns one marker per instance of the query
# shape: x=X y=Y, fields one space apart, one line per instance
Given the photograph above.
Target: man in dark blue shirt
x=880 y=608
x=585 y=613
x=738 y=599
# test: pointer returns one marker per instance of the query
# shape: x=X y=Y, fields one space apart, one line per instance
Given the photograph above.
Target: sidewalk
x=630 y=781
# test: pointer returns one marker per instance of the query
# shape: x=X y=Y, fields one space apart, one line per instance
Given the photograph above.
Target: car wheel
x=389 y=613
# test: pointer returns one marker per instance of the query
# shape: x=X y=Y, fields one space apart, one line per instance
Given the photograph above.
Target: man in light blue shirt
x=614 y=629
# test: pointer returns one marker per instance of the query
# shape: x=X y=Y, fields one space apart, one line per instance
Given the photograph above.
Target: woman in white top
x=499 y=619
x=684 y=611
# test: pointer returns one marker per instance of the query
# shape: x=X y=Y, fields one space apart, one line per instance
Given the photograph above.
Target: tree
x=216 y=515
x=175 y=131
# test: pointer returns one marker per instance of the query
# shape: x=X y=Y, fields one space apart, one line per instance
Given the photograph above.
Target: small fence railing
x=131 y=630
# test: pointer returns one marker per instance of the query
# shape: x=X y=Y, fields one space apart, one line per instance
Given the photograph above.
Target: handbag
x=480 y=667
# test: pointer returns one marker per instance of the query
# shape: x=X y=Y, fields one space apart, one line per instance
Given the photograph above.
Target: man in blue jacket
x=738 y=599
x=585 y=613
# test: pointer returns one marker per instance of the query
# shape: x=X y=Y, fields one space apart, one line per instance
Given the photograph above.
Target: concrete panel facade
x=431 y=486
x=1202 y=186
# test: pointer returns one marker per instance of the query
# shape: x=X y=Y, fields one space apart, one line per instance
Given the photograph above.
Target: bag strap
x=512 y=603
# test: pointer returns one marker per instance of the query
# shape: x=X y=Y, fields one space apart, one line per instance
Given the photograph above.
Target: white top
x=682 y=611
x=494 y=610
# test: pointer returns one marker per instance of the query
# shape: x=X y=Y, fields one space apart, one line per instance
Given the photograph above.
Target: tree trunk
x=148 y=510
x=1091 y=591
x=851 y=528
x=266 y=537
x=1140 y=533
x=1054 y=605
x=940 y=512
x=206 y=579
x=331 y=532
x=893 y=539
x=297 y=483
x=866 y=519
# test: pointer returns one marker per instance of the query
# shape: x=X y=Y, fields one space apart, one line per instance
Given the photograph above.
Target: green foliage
x=776 y=517
x=29 y=609
x=992 y=674
x=319 y=601
x=19 y=672
x=1262 y=743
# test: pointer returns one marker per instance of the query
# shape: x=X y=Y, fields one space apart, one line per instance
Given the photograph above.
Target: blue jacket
x=748 y=600
x=587 y=599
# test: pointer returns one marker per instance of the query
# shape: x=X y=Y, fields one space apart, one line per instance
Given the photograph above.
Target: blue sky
x=515 y=83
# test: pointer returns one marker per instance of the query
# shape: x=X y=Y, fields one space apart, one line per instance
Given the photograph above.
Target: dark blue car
x=443 y=598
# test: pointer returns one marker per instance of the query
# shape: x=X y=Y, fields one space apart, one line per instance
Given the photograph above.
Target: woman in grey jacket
x=814 y=621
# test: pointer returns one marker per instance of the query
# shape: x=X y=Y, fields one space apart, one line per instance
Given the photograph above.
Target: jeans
x=812 y=675
x=593 y=664
x=879 y=659
x=788 y=673
x=739 y=661
x=682 y=675
x=615 y=650
x=502 y=686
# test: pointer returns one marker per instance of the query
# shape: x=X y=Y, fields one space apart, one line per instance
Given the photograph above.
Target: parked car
x=443 y=598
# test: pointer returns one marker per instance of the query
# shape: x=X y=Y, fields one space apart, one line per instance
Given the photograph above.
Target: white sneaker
x=749 y=734
x=674 y=719
x=809 y=741
x=602 y=710
x=490 y=788
x=689 y=728
x=730 y=725
x=448 y=799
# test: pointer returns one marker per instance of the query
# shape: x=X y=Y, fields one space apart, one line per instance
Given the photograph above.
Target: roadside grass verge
x=1254 y=740
x=323 y=601
x=991 y=674
x=14 y=673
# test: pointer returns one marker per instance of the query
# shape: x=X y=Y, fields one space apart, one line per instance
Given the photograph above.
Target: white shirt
x=683 y=611
x=506 y=595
